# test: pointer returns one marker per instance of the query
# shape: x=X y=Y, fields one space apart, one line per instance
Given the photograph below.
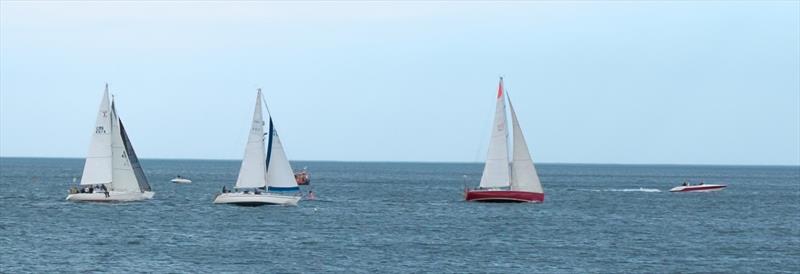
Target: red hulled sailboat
x=504 y=179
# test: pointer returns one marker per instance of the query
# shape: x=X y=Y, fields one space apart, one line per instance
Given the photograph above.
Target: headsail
x=279 y=172
x=496 y=171
x=523 y=172
x=137 y=167
x=252 y=173
x=97 y=169
x=122 y=171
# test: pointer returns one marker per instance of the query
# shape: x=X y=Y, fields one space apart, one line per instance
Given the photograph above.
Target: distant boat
x=112 y=171
x=302 y=177
x=260 y=181
x=499 y=183
x=687 y=187
x=180 y=180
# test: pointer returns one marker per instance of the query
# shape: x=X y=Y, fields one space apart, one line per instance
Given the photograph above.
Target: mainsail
x=523 y=172
x=252 y=173
x=97 y=169
x=496 y=171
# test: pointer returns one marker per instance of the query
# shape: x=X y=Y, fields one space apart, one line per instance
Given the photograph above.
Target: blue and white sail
x=279 y=172
x=265 y=169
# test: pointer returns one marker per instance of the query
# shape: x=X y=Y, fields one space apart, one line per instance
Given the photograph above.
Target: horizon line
x=438 y=162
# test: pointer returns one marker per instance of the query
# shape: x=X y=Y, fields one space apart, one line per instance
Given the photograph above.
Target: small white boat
x=263 y=182
x=180 y=180
x=112 y=170
x=698 y=188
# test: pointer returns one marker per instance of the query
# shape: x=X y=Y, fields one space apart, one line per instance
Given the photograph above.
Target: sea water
x=406 y=217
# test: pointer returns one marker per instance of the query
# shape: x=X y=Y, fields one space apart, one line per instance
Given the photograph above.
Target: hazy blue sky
x=713 y=82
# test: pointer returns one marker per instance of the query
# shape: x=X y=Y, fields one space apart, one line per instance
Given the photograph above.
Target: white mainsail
x=495 y=171
x=279 y=172
x=523 y=172
x=122 y=170
x=97 y=169
x=252 y=173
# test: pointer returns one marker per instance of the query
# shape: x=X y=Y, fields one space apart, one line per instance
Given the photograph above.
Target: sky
x=625 y=82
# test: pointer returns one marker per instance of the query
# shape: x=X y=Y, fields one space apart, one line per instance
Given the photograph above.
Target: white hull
x=698 y=188
x=251 y=199
x=113 y=196
x=181 y=181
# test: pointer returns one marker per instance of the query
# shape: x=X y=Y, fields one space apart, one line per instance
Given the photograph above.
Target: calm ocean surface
x=406 y=217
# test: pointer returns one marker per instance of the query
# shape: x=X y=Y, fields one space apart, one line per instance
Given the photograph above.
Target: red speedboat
x=499 y=183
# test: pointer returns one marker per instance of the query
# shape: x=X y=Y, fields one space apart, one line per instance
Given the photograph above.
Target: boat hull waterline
x=113 y=196
x=503 y=196
x=251 y=199
x=698 y=188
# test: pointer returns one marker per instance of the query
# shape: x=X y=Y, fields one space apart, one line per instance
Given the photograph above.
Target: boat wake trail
x=641 y=189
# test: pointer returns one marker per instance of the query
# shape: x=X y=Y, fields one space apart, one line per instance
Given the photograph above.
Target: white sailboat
x=265 y=177
x=499 y=183
x=112 y=171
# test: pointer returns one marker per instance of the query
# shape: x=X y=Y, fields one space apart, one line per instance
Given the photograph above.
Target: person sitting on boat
x=224 y=189
x=701 y=183
x=685 y=183
x=104 y=189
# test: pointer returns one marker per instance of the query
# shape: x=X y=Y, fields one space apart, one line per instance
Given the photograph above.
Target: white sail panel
x=523 y=172
x=124 y=178
x=252 y=173
x=496 y=171
x=97 y=169
x=279 y=172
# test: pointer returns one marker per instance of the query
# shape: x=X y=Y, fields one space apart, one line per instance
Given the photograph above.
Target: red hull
x=504 y=196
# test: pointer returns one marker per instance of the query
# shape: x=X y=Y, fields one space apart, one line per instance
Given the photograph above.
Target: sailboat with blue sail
x=265 y=176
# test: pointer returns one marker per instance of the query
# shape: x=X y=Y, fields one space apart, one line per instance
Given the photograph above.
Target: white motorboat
x=263 y=182
x=111 y=164
x=698 y=188
x=180 y=180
